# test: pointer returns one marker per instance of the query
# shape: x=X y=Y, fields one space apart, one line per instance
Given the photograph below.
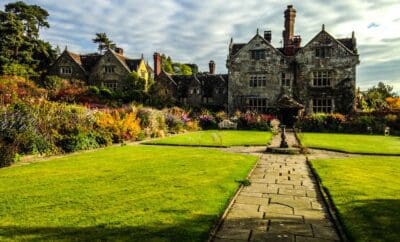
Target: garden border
x=217 y=226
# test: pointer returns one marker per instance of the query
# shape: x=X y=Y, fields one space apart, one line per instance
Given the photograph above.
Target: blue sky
x=198 y=31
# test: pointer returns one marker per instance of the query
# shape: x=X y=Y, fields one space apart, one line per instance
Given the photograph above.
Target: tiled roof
x=348 y=42
x=236 y=48
x=133 y=64
x=89 y=61
x=75 y=57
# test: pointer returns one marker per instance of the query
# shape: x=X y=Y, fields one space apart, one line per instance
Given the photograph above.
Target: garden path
x=283 y=202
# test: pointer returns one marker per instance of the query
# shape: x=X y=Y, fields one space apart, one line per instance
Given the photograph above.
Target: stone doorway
x=288 y=116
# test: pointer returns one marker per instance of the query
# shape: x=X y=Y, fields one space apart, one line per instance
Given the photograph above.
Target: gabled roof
x=74 y=57
x=333 y=38
x=89 y=61
x=348 y=42
x=239 y=47
x=236 y=48
x=129 y=64
x=133 y=64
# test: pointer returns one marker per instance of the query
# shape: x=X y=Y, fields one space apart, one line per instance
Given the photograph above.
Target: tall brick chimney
x=268 y=35
x=211 y=66
x=288 y=33
x=157 y=64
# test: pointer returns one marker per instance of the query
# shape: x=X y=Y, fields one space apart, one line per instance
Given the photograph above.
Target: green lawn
x=366 y=191
x=217 y=138
x=131 y=193
x=367 y=144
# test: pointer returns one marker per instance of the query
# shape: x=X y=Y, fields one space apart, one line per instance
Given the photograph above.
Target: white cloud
x=197 y=31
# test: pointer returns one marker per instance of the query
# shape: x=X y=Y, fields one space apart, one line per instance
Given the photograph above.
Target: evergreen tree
x=19 y=43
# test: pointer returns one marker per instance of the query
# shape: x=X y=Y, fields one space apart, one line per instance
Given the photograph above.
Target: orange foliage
x=123 y=126
x=393 y=102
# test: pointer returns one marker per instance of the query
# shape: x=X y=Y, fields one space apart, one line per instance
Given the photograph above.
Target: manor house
x=286 y=81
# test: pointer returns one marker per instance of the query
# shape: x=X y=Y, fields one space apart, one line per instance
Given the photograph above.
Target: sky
x=192 y=31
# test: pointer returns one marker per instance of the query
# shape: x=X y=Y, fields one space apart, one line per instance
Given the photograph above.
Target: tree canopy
x=104 y=43
x=20 y=46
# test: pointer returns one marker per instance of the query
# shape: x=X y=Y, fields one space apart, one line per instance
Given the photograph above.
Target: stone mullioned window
x=110 y=85
x=258 y=80
x=257 y=104
x=65 y=70
x=109 y=69
x=322 y=78
x=322 y=105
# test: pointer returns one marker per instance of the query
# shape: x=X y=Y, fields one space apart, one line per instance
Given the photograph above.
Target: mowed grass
x=366 y=192
x=352 y=143
x=217 y=138
x=130 y=193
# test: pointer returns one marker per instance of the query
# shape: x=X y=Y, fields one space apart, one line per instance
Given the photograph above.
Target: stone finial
x=323 y=27
x=257 y=31
x=66 y=48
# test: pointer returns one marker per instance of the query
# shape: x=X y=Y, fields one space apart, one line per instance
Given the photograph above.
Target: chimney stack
x=288 y=33
x=119 y=51
x=211 y=66
x=268 y=35
x=157 y=64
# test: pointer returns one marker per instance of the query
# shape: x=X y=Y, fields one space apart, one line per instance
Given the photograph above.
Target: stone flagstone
x=281 y=204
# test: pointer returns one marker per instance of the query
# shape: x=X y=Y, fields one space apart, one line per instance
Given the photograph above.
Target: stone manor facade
x=317 y=77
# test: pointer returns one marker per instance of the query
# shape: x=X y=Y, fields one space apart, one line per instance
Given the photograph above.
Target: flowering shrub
x=362 y=123
x=122 y=126
x=254 y=121
x=153 y=122
x=207 y=121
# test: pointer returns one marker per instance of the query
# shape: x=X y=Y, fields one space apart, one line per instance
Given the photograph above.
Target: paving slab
x=282 y=203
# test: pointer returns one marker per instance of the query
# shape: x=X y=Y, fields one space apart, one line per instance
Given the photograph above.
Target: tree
x=135 y=88
x=19 y=42
x=104 y=43
x=376 y=96
x=34 y=17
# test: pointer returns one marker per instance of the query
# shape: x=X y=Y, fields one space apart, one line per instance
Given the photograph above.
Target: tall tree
x=33 y=16
x=19 y=42
x=104 y=43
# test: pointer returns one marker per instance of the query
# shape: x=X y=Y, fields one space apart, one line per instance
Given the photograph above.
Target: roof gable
x=256 y=37
x=74 y=58
x=323 y=35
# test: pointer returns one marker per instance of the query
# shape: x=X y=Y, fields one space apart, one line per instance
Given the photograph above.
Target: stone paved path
x=281 y=204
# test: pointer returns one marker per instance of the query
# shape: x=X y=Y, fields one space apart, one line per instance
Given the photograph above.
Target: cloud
x=198 y=31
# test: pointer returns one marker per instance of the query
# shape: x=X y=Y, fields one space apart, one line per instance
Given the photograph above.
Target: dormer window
x=258 y=54
x=66 y=70
x=323 y=51
x=109 y=69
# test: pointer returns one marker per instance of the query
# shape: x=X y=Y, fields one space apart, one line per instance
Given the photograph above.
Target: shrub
x=153 y=122
x=254 y=121
x=207 y=121
x=122 y=126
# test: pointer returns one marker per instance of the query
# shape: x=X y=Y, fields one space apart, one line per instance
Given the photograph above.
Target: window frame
x=322 y=105
x=322 y=78
x=63 y=70
x=258 y=54
x=257 y=104
x=108 y=69
x=111 y=85
x=258 y=80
